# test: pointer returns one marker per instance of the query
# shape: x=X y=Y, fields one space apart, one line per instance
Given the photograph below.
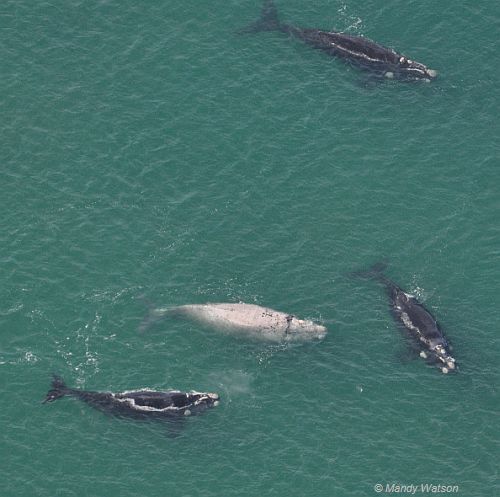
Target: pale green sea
x=147 y=149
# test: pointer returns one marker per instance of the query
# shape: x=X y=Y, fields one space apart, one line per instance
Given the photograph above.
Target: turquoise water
x=147 y=149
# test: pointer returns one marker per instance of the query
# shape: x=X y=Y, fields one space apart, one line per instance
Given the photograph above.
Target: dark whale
x=357 y=50
x=417 y=320
x=138 y=404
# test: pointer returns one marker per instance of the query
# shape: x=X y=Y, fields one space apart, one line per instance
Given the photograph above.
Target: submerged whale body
x=139 y=404
x=243 y=319
x=357 y=50
x=417 y=320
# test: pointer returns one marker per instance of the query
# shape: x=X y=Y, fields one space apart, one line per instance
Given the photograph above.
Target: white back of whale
x=252 y=320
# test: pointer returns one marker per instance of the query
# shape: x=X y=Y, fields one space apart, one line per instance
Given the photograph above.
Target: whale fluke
x=374 y=272
x=58 y=390
x=153 y=315
x=268 y=20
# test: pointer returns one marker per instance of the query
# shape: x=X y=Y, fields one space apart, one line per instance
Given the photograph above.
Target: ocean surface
x=148 y=149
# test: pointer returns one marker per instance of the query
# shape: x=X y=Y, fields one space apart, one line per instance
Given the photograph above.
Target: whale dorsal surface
x=251 y=320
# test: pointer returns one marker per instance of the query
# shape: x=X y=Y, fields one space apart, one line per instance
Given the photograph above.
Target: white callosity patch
x=198 y=398
x=408 y=322
x=444 y=357
x=359 y=55
x=439 y=350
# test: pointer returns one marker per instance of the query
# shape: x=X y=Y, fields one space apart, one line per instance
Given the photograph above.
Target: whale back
x=244 y=318
x=252 y=320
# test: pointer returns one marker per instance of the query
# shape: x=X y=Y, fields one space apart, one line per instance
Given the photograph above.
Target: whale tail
x=268 y=20
x=58 y=390
x=153 y=316
x=374 y=272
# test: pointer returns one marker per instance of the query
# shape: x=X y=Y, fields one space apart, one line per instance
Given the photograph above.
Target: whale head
x=441 y=355
x=303 y=329
x=201 y=401
x=414 y=70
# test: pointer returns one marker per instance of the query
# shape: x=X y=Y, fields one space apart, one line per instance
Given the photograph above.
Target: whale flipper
x=409 y=351
x=175 y=427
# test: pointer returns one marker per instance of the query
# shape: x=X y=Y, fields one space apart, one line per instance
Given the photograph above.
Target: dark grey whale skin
x=140 y=404
x=357 y=50
x=419 y=323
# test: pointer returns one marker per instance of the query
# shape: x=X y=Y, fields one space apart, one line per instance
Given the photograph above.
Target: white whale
x=243 y=319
